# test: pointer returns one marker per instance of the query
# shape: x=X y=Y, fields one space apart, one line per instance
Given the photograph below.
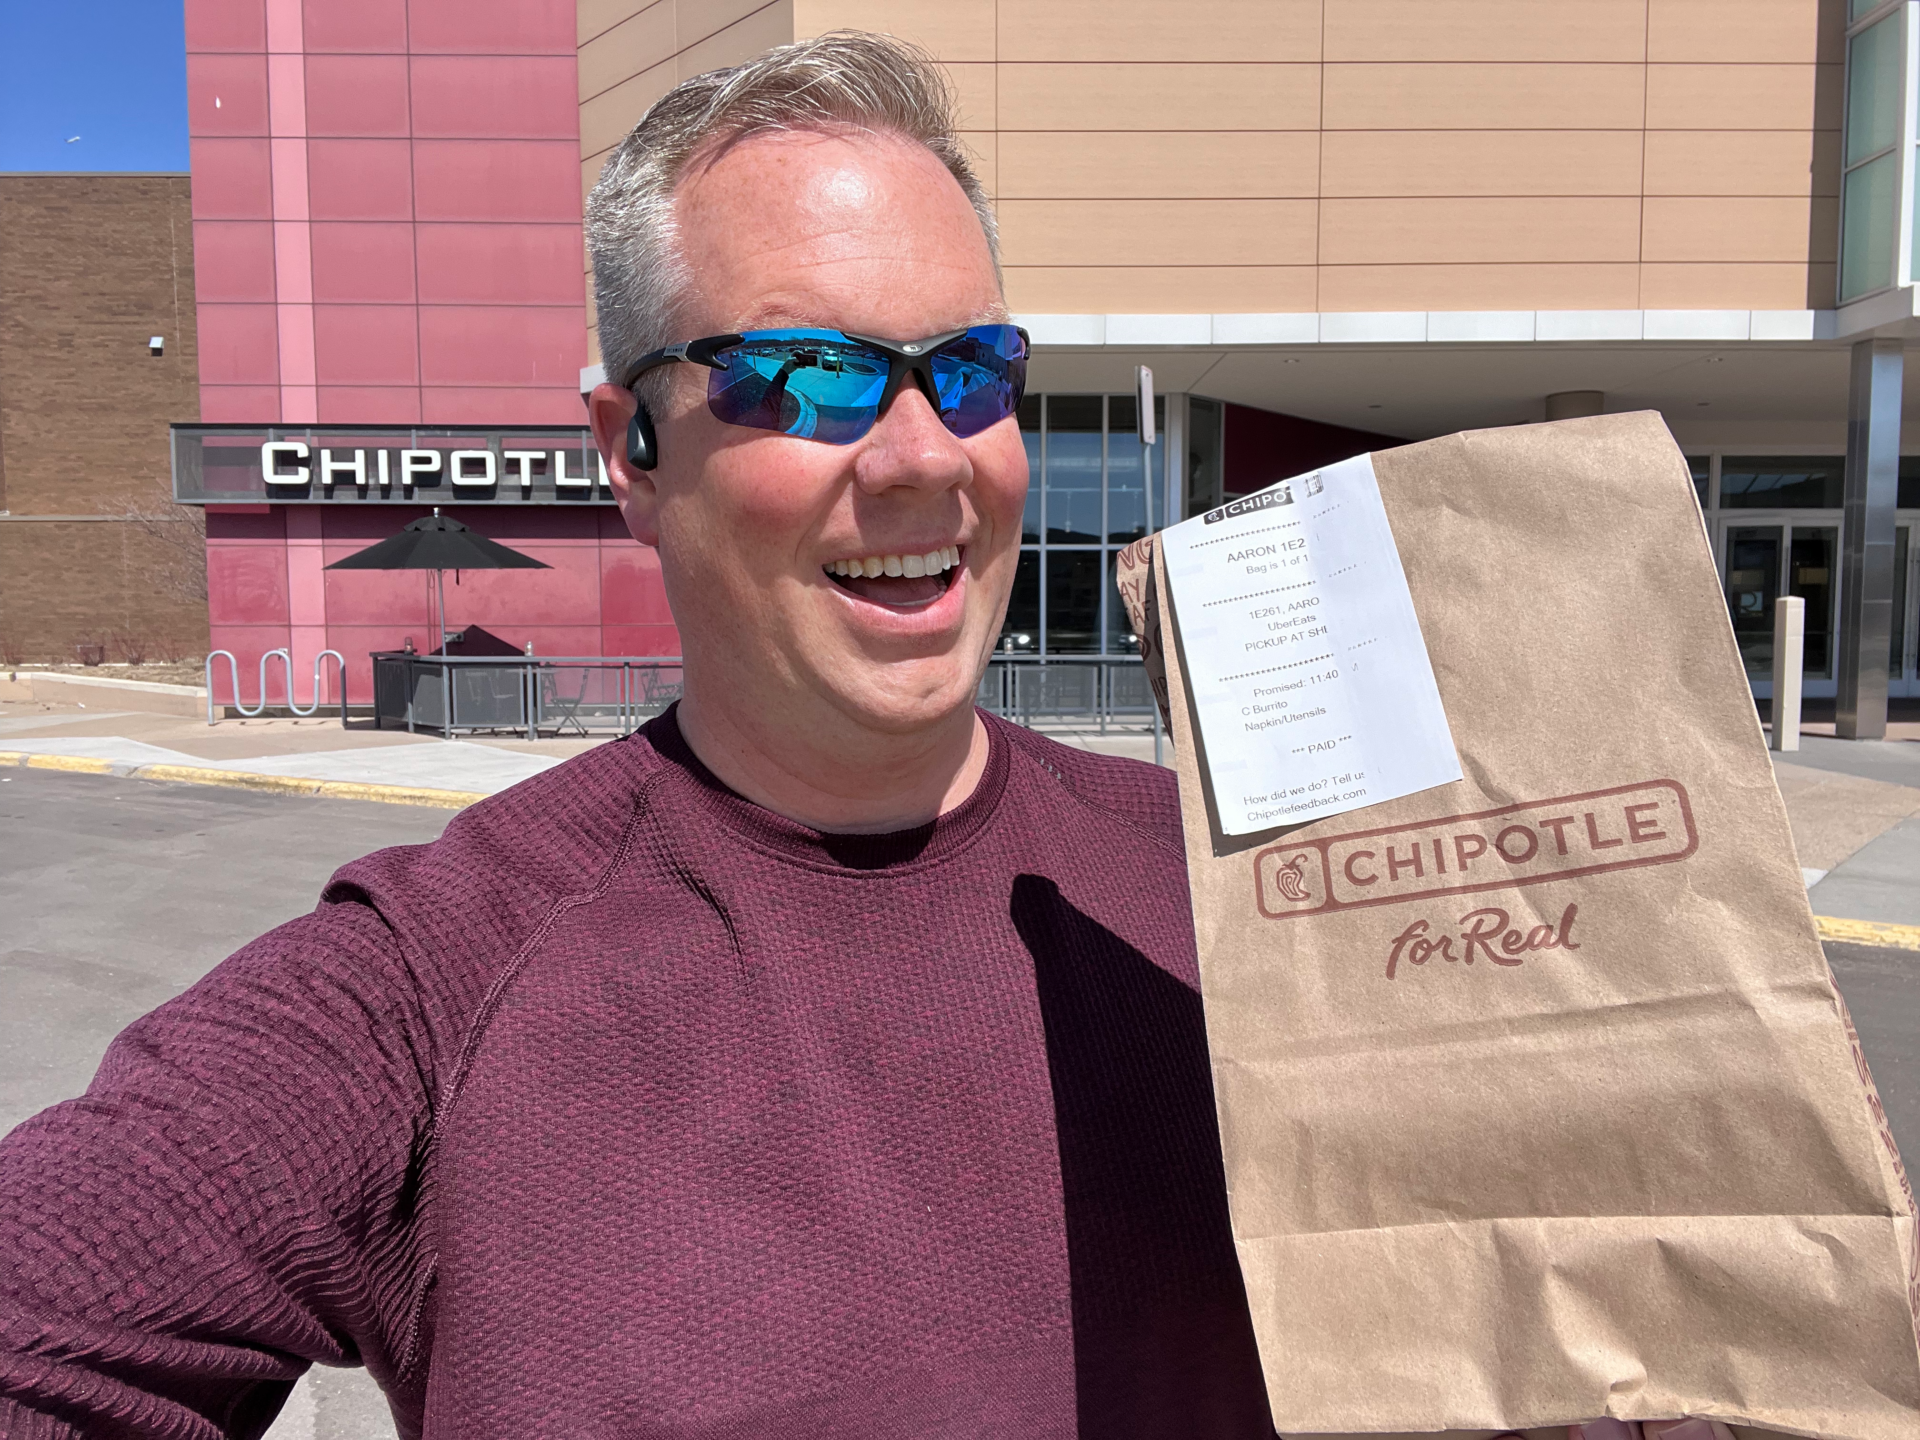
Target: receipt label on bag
x=1303 y=653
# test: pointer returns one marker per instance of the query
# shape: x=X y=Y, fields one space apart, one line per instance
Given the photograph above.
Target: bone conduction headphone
x=832 y=386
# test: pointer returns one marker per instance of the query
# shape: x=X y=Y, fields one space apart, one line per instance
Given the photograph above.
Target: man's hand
x=1650 y=1430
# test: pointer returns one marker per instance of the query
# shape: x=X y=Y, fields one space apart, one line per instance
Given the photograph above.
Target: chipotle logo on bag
x=1623 y=828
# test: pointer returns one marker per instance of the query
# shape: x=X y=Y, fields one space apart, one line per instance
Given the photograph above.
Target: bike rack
x=286 y=659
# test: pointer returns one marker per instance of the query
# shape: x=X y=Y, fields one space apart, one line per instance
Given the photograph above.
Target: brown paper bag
x=1583 y=1131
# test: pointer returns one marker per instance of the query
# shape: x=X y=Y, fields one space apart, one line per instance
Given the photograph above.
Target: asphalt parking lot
x=119 y=893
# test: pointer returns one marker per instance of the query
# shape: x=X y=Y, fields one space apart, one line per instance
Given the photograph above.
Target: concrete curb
x=1868 y=932
x=242 y=780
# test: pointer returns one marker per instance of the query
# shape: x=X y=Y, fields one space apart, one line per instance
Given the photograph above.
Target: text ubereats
x=290 y=464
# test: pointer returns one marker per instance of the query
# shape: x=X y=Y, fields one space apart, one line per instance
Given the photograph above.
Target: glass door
x=1764 y=557
x=1905 y=652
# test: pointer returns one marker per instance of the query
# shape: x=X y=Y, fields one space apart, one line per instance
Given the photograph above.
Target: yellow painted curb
x=242 y=780
x=1868 y=932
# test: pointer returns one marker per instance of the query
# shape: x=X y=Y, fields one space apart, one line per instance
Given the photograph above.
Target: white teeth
x=934 y=562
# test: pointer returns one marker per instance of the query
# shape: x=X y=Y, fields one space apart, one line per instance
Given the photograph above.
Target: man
x=825 y=1060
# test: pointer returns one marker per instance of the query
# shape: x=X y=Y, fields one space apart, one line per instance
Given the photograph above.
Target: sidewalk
x=1854 y=805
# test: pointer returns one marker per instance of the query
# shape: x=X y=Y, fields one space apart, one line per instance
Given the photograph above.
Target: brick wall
x=91 y=548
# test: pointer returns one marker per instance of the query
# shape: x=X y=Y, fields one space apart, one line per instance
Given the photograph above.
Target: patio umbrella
x=436 y=543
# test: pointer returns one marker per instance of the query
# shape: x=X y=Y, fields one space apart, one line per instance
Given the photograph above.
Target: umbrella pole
x=440 y=591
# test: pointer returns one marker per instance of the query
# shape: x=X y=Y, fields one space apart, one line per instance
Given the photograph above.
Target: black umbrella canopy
x=435 y=542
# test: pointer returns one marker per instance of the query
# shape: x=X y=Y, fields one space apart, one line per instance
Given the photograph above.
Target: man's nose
x=909 y=446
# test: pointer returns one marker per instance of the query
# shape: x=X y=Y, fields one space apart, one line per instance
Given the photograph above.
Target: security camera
x=157 y=345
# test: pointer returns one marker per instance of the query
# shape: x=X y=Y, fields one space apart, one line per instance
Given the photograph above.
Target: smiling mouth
x=903 y=582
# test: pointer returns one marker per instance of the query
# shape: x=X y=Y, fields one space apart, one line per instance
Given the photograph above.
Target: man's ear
x=610 y=410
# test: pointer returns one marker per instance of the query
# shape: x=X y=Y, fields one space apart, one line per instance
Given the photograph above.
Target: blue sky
x=113 y=72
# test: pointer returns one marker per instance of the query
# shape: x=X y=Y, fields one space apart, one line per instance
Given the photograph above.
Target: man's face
x=865 y=234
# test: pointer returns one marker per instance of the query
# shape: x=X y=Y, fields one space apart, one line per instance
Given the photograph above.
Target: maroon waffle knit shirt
x=630 y=1109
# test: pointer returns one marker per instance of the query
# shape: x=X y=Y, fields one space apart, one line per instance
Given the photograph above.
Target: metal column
x=1866 y=539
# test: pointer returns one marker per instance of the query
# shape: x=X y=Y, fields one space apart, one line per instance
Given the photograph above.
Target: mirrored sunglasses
x=830 y=386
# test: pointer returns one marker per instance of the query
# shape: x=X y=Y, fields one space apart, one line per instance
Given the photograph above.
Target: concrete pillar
x=1574 y=404
x=1866 y=539
x=1789 y=662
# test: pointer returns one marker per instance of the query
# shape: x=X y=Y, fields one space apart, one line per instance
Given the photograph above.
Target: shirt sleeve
x=234 y=1198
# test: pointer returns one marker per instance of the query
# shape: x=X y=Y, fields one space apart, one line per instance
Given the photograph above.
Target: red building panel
x=492 y=27
x=247 y=580
x=239 y=344
x=365 y=26
x=511 y=345
x=237 y=404
x=500 y=265
x=497 y=180
x=472 y=405
x=365 y=345
x=363 y=261
x=238 y=83
x=227 y=25
x=233 y=260
x=357 y=95
x=232 y=179
x=368 y=405
x=525 y=97
x=360 y=179
x=631 y=592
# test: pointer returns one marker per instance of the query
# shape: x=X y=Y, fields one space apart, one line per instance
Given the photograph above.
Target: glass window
x=1861 y=7
x=1020 y=633
x=1204 y=472
x=1873 y=90
x=1909 y=496
x=1753 y=580
x=1073 y=468
x=1701 y=468
x=1120 y=637
x=1867 y=226
x=1133 y=476
x=1074 y=580
x=1030 y=435
x=1782 y=482
x=1870 y=189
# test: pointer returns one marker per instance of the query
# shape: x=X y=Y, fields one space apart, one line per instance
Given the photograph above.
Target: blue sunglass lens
x=819 y=385
x=980 y=377
x=814 y=384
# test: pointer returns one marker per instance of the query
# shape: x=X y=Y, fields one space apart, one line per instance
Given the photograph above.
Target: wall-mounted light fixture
x=157 y=346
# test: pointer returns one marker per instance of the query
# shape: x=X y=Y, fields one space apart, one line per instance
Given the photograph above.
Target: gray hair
x=845 y=77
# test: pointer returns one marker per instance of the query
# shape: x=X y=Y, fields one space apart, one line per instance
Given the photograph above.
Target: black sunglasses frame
x=914 y=359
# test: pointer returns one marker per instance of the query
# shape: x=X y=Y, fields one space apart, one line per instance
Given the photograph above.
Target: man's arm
x=233 y=1198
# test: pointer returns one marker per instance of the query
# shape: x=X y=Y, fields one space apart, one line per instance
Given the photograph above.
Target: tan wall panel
x=1776 y=31
x=1823 y=285
x=1479 y=287
x=1823 y=226
x=951 y=29
x=1484 y=97
x=1428 y=30
x=606 y=119
x=628 y=49
x=1236 y=30
x=983 y=149
x=698 y=20
x=596 y=17
x=1159 y=97
x=1480 y=162
x=764 y=28
x=1723 y=287
x=1727 y=228
x=1729 y=162
x=1159 y=164
x=1412 y=231
x=1826 y=162
x=1730 y=97
x=1186 y=290
x=1153 y=232
x=974 y=90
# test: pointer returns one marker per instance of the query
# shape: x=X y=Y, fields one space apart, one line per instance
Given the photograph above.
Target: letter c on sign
x=1347 y=868
x=270 y=470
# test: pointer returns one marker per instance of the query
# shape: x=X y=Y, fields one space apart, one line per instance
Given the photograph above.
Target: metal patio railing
x=530 y=695
x=1095 y=691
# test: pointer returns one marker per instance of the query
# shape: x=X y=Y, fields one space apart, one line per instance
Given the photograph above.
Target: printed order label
x=1303 y=653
